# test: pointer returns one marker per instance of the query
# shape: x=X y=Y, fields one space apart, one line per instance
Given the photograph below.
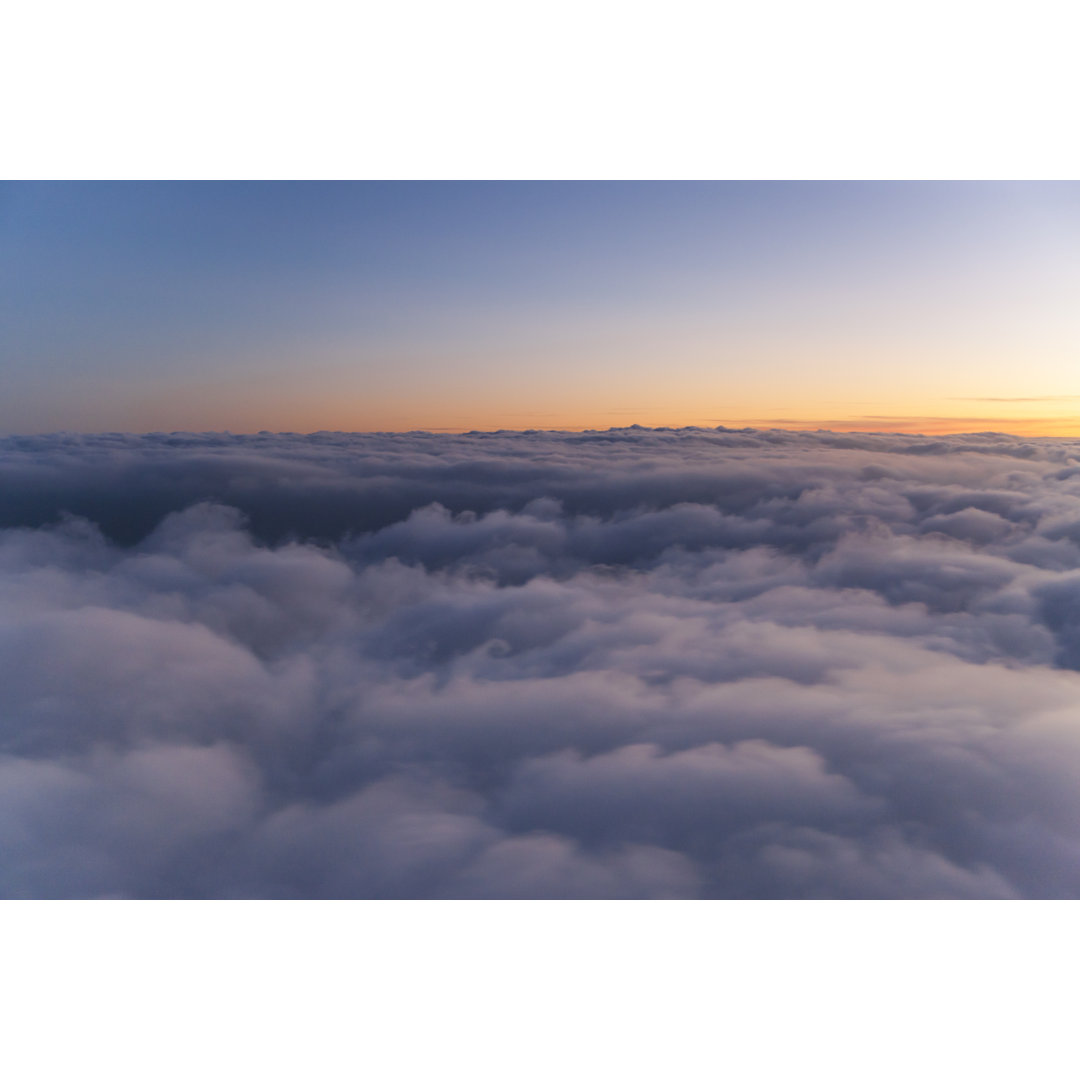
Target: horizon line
x=794 y=427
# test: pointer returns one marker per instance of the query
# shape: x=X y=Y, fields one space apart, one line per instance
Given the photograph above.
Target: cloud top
x=633 y=663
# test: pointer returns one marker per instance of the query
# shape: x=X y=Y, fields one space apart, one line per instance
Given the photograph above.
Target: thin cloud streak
x=1052 y=397
x=1046 y=426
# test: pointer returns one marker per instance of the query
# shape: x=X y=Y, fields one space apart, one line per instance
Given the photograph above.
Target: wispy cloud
x=1052 y=397
x=1064 y=425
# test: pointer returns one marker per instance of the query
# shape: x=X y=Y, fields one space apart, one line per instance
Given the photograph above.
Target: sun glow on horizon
x=937 y=307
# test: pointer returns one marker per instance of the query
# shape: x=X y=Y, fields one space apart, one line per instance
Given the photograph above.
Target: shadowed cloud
x=626 y=663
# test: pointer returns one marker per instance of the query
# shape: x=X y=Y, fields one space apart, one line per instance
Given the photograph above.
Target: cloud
x=632 y=663
x=1050 y=397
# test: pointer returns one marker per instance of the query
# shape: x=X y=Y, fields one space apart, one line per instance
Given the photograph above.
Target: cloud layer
x=633 y=663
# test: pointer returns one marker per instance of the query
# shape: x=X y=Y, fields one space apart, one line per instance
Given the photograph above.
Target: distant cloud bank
x=634 y=663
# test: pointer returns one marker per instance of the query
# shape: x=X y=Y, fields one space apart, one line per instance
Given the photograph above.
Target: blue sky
x=299 y=306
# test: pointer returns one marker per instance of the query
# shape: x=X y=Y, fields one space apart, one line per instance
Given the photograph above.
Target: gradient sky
x=391 y=306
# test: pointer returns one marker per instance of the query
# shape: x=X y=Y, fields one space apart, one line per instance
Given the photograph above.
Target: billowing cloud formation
x=633 y=663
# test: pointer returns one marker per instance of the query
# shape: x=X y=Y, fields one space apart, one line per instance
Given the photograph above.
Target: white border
x=539 y=990
x=584 y=90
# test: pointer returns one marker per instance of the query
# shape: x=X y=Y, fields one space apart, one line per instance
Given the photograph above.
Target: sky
x=921 y=307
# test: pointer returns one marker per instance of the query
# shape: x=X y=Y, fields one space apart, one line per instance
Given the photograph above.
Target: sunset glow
x=928 y=307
